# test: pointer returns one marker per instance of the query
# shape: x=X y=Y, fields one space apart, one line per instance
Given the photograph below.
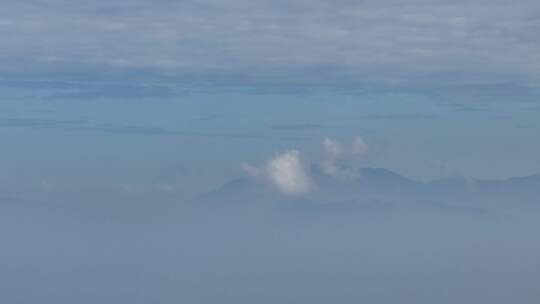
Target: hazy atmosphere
x=269 y=151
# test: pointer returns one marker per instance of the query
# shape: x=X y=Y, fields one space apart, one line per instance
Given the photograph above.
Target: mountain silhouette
x=378 y=189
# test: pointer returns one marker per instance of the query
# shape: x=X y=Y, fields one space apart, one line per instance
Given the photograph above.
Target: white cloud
x=333 y=148
x=286 y=172
x=413 y=40
x=336 y=153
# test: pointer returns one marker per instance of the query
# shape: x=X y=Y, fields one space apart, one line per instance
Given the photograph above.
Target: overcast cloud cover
x=276 y=41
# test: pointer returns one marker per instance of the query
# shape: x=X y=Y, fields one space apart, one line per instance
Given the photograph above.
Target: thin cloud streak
x=85 y=126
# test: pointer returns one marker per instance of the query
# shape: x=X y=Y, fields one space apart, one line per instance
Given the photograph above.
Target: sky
x=450 y=83
x=129 y=135
x=118 y=116
x=315 y=42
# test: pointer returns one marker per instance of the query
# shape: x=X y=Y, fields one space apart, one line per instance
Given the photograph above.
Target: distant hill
x=378 y=189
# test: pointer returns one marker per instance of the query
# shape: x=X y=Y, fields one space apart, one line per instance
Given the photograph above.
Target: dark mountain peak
x=382 y=176
x=367 y=184
x=450 y=181
x=535 y=178
x=231 y=190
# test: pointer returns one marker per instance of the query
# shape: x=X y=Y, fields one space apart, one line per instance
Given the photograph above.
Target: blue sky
x=127 y=135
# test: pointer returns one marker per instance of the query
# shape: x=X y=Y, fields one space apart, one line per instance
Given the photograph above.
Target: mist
x=245 y=242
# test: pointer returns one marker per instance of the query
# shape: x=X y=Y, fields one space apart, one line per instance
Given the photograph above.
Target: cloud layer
x=298 y=40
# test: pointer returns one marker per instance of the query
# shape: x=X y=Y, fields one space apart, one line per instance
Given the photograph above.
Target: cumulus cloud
x=286 y=172
x=336 y=154
x=333 y=148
